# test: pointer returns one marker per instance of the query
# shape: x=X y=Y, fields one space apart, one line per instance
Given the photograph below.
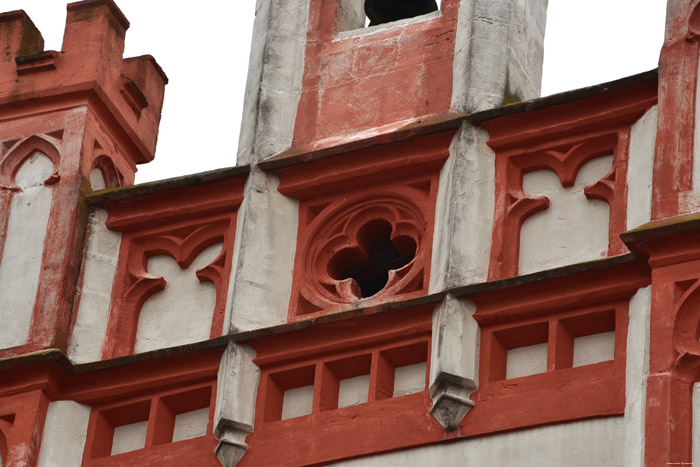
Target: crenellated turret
x=80 y=114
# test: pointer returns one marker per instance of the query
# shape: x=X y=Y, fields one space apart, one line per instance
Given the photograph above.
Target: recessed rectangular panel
x=409 y=379
x=191 y=424
x=525 y=361
x=129 y=438
x=353 y=391
x=297 y=402
x=594 y=348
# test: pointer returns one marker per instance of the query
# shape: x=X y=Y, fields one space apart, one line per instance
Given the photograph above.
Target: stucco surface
x=22 y=254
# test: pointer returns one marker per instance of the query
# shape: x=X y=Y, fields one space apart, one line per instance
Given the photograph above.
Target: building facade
x=417 y=260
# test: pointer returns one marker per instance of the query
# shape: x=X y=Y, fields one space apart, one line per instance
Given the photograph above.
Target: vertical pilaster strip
x=267 y=221
x=464 y=212
x=637 y=374
x=453 y=360
x=237 y=388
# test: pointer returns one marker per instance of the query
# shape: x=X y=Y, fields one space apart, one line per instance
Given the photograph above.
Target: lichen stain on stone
x=32 y=41
x=509 y=99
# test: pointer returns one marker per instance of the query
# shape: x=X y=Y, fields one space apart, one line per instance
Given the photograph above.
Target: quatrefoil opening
x=363 y=248
x=375 y=257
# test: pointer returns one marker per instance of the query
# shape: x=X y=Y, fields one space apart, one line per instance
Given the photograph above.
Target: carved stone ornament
x=361 y=246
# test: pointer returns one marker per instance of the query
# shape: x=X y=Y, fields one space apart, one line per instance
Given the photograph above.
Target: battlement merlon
x=90 y=64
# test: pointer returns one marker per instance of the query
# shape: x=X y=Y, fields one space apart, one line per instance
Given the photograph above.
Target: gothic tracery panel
x=104 y=174
x=27 y=176
x=362 y=246
x=575 y=226
x=140 y=319
x=173 y=267
x=366 y=221
x=181 y=313
x=579 y=149
x=536 y=215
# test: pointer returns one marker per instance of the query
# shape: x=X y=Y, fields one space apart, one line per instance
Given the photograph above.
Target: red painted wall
x=363 y=81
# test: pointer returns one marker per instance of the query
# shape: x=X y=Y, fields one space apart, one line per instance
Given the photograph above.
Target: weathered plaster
x=637 y=372
x=274 y=78
x=464 y=212
x=511 y=35
x=182 y=312
x=351 y=15
x=454 y=358
x=22 y=255
x=525 y=361
x=191 y=424
x=97 y=180
x=640 y=169
x=575 y=444
x=65 y=431
x=594 y=348
x=297 y=402
x=261 y=279
x=100 y=265
x=573 y=229
x=499 y=50
x=410 y=379
x=353 y=391
x=129 y=437
x=237 y=387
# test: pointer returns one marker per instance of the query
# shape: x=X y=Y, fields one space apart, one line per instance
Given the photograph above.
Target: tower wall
x=417 y=260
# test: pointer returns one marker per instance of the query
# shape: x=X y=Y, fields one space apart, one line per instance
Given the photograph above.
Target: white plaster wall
x=97 y=180
x=65 y=431
x=236 y=393
x=578 y=444
x=526 y=48
x=353 y=391
x=182 y=312
x=640 y=168
x=191 y=424
x=297 y=402
x=525 y=361
x=351 y=15
x=454 y=360
x=20 y=265
x=637 y=373
x=266 y=238
x=129 y=438
x=260 y=284
x=594 y=348
x=464 y=210
x=410 y=379
x=100 y=266
x=237 y=388
x=574 y=229
x=499 y=50
x=274 y=79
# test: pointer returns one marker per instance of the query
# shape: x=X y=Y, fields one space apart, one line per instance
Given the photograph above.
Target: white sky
x=203 y=48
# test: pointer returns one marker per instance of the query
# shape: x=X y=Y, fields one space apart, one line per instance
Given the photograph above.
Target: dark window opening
x=358 y=14
x=377 y=254
x=386 y=11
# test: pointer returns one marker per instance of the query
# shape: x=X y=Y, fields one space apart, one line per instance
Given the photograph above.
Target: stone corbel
x=453 y=361
x=235 y=403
